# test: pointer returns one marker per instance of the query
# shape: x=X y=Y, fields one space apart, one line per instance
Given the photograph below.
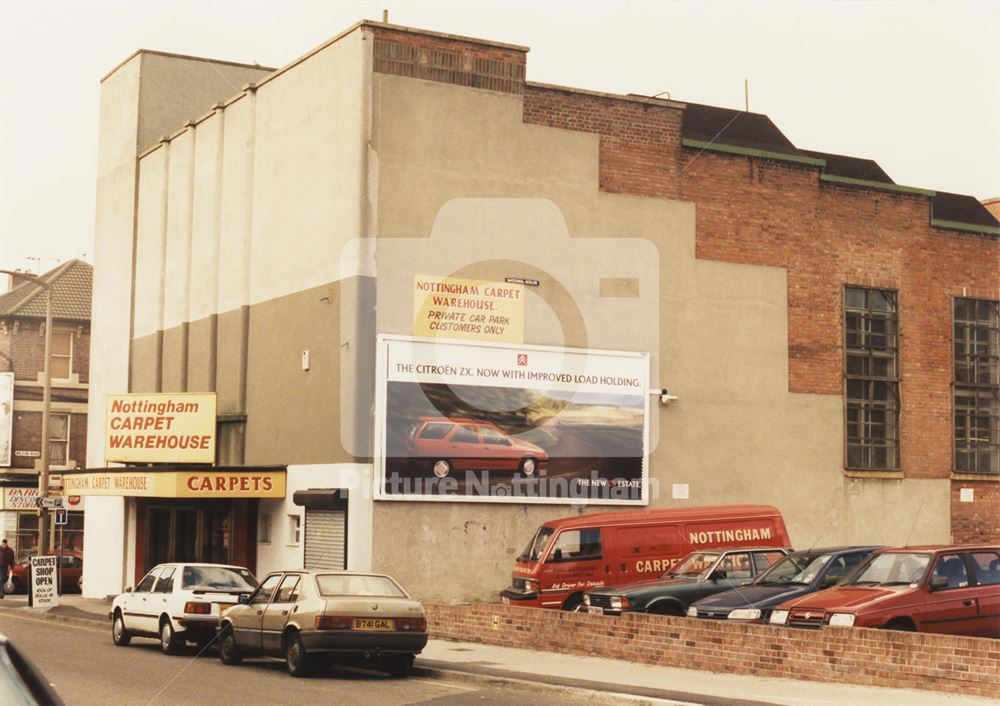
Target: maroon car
x=70 y=573
x=466 y=444
x=943 y=589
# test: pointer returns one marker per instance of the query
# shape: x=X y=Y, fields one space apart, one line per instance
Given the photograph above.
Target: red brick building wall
x=28 y=437
x=938 y=663
x=758 y=211
x=975 y=522
x=26 y=349
x=24 y=354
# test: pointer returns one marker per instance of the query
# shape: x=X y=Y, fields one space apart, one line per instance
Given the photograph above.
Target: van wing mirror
x=556 y=555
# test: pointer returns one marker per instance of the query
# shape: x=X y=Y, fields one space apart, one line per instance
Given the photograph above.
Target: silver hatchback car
x=304 y=615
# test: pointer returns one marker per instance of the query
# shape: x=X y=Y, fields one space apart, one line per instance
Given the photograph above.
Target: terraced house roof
x=72 y=285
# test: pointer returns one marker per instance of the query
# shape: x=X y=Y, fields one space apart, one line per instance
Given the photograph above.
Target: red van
x=569 y=556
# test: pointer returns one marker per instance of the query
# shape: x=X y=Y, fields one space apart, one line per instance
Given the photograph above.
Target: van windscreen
x=537 y=545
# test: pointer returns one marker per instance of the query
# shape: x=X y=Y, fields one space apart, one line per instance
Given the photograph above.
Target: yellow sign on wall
x=178 y=484
x=161 y=428
x=449 y=307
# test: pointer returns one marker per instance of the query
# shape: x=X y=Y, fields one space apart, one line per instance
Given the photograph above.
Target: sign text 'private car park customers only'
x=161 y=428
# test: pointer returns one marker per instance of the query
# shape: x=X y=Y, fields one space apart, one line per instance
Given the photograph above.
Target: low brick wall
x=969 y=666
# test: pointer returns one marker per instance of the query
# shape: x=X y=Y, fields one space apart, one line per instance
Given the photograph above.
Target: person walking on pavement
x=6 y=563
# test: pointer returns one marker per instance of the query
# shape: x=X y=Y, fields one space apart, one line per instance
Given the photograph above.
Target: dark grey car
x=699 y=574
x=795 y=575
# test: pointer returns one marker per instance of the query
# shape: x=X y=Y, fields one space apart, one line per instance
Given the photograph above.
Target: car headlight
x=619 y=602
x=843 y=619
x=692 y=612
x=745 y=614
x=586 y=599
x=779 y=617
x=532 y=585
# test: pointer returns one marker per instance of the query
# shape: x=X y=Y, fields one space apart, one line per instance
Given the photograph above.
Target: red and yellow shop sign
x=160 y=428
x=178 y=484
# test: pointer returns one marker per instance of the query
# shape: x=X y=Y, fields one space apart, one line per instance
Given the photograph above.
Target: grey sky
x=913 y=84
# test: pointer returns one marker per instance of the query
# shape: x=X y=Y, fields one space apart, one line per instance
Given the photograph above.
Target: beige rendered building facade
x=259 y=236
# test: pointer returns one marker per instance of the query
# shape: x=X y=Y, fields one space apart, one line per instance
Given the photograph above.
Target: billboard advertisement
x=161 y=428
x=492 y=422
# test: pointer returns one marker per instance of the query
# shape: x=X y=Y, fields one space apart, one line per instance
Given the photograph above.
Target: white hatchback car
x=178 y=603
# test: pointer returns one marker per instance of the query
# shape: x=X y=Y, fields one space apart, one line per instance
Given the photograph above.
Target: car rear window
x=217 y=578
x=987 y=566
x=355 y=585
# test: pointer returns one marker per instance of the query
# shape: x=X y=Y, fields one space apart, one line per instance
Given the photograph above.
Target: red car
x=465 y=444
x=944 y=589
x=70 y=575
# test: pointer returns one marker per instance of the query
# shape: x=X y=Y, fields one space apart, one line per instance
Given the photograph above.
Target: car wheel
x=400 y=666
x=229 y=651
x=666 y=609
x=901 y=624
x=442 y=468
x=528 y=466
x=573 y=604
x=295 y=656
x=16 y=583
x=169 y=642
x=119 y=635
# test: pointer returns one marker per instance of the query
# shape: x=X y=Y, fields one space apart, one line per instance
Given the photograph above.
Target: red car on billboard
x=466 y=444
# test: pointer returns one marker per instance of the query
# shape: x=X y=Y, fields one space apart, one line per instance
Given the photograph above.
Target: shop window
x=70 y=535
x=61 y=355
x=294 y=529
x=264 y=528
x=26 y=540
x=977 y=386
x=871 y=366
x=58 y=439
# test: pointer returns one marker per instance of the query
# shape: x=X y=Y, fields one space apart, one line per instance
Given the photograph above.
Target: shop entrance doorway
x=214 y=531
x=188 y=534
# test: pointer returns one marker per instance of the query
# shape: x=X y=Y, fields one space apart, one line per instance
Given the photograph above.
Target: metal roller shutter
x=325 y=539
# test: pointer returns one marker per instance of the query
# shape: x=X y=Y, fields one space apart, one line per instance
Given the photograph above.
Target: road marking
x=441 y=683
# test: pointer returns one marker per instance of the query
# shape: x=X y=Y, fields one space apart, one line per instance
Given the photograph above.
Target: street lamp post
x=43 y=472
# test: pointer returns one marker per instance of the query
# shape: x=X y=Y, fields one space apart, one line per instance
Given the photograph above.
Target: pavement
x=593 y=678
